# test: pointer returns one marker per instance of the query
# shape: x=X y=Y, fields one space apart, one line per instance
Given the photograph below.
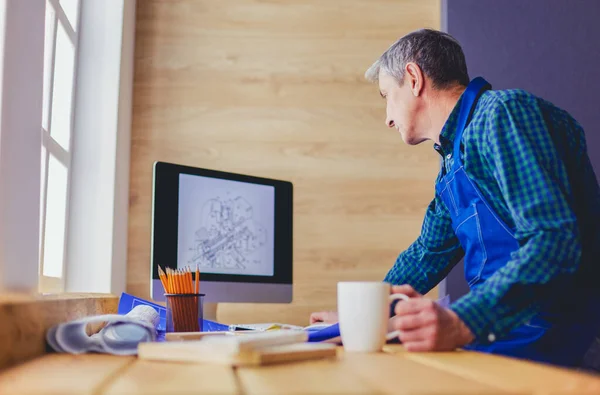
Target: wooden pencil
x=180 y=289
x=177 y=312
x=185 y=278
x=163 y=279
x=189 y=313
x=171 y=282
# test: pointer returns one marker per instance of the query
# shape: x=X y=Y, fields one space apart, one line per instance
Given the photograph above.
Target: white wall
x=21 y=84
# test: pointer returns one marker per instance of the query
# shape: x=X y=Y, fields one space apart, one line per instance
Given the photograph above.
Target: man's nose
x=389 y=123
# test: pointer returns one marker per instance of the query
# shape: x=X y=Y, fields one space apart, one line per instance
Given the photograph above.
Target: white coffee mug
x=363 y=310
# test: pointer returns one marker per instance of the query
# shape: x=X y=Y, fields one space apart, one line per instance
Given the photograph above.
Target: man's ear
x=414 y=77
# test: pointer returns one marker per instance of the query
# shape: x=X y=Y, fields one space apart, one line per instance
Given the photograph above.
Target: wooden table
x=393 y=371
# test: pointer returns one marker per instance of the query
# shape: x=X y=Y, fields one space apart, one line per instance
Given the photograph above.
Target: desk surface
x=391 y=372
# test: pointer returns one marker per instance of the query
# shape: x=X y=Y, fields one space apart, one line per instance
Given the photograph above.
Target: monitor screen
x=237 y=228
x=225 y=226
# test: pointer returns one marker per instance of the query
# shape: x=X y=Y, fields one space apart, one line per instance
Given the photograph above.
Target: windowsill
x=15 y=298
x=24 y=320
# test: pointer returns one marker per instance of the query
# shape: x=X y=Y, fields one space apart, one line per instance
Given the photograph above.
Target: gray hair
x=438 y=54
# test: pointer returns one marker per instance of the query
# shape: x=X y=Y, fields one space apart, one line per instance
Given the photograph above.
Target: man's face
x=401 y=109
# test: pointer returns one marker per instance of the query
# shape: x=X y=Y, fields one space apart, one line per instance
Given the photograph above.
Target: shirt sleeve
x=532 y=177
x=429 y=259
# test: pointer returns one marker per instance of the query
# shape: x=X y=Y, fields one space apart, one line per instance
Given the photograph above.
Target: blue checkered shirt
x=529 y=159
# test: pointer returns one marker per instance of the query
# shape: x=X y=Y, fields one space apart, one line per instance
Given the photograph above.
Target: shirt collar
x=449 y=131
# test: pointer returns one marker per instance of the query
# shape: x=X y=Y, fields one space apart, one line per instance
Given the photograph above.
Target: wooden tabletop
x=393 y=371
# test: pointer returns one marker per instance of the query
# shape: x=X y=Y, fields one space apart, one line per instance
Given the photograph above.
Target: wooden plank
x=270 y=92
x=395 y=374
x=149 y=377
x=187 y=336
x=310 y=377
x=26 y=319
x=358 y=373
x=62 y=374
x=236 y=57
x=246 y=349
x=510 y=374
x=288 y=124
x=345 y=161
x=282 y=19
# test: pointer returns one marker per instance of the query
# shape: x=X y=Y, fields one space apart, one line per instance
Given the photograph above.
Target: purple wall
x=548 y=47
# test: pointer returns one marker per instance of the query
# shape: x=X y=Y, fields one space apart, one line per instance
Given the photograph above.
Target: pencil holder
x=184 y=312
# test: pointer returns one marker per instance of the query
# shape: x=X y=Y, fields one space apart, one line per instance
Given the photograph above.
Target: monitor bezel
x=165 y=214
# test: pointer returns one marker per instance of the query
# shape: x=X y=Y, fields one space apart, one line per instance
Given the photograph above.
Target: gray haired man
x=516 y=197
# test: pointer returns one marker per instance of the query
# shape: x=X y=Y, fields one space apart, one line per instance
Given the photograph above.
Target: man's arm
x=429 y=259
x=534 y=184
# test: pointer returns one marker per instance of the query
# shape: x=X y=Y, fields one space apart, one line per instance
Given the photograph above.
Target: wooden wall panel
x=275 y=88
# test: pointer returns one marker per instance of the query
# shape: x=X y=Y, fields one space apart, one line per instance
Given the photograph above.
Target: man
x=516 y=197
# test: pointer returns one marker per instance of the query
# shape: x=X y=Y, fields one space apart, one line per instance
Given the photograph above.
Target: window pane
x=60 y=127
x=71 y=8
x=54 y=239
x=48 y=66
x=51 y=285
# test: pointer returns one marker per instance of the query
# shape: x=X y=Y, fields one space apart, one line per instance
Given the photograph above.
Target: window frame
x=51 y=147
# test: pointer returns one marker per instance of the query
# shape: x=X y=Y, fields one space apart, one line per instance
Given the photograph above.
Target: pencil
x=197 y=280
x=182 y=279
x=163 y=279
x=179 y=282
x=188 y=281
x=171 y=281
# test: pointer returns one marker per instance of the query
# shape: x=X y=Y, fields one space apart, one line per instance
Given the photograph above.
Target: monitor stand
x=209 y=311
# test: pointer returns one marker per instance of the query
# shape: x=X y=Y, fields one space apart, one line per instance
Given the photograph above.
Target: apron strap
x=469 y=100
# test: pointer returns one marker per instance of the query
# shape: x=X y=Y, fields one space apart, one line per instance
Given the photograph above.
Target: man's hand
x=326 y=317
x=426 y=326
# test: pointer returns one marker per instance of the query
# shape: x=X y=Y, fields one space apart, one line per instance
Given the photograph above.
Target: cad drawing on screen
x=228 y=237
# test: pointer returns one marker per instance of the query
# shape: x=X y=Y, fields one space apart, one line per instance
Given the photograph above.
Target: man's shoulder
x=509 y=100
x=495 y=106
x=501 y=98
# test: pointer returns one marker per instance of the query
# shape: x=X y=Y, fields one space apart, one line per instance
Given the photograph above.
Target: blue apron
x=488 y=242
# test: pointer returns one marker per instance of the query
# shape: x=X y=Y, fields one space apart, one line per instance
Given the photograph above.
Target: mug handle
x=395 y=334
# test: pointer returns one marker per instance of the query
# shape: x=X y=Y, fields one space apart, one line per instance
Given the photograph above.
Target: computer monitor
x=237 y=228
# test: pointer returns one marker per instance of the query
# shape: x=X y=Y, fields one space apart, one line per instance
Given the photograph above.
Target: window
x=60 y=54
x=77 y=83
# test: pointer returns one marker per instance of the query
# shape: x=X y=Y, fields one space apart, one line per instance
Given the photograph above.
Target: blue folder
x=327 y=333
x=333 y=331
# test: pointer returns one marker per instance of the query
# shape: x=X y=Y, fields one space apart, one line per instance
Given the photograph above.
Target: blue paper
x=212 y=326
